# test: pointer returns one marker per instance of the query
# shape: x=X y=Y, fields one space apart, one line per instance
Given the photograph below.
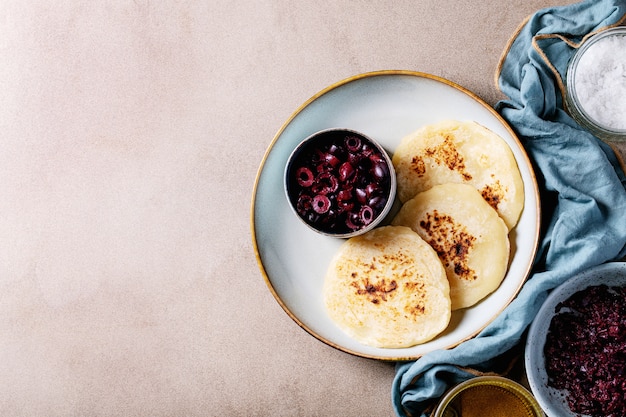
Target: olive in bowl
x=340 y=182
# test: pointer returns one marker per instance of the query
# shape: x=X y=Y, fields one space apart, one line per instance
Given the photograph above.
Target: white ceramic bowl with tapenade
x=576 y=348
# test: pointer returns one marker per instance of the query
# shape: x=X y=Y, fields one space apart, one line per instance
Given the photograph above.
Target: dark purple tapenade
x=585 y=351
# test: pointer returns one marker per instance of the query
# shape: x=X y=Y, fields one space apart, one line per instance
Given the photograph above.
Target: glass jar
x=596 y=85
x=488 y=396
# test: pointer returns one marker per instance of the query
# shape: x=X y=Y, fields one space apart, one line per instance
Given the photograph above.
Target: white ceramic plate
x=554 y=401
x=385 y=105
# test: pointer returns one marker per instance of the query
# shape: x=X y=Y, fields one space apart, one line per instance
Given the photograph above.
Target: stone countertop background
x=132 y=132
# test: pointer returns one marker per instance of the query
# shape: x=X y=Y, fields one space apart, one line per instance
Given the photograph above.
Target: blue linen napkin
x=582 y=190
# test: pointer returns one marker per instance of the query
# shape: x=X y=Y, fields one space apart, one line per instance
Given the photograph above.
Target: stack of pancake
x=446 y=249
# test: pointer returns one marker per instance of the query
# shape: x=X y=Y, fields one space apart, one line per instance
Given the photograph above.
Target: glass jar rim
x=574 y=106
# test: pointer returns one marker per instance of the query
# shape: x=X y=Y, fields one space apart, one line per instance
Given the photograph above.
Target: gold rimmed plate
x=385 y=105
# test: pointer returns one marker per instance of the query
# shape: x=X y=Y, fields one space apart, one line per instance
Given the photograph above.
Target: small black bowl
x=340 y=182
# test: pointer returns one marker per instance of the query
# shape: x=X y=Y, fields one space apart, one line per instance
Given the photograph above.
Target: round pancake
x=387 y=288
x=461 y=152
x=468 y=235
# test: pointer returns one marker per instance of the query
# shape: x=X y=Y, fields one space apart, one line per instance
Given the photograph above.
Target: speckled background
x=132 y=132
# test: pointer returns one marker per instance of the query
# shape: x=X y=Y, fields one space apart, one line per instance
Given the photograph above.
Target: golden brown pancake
x=387 y=288
x=468 y=235
x=461 y=152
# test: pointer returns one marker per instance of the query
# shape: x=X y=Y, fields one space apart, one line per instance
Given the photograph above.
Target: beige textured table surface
x=131 y=136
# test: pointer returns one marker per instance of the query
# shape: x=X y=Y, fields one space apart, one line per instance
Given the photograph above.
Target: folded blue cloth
x=582 y=191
